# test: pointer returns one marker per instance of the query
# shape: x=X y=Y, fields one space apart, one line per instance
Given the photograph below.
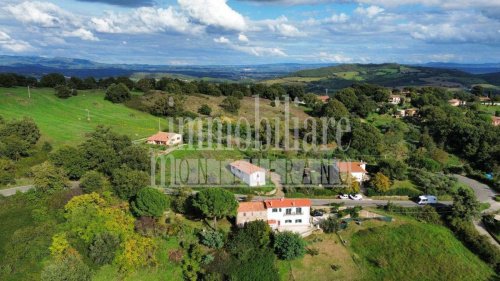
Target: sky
x=215 y=32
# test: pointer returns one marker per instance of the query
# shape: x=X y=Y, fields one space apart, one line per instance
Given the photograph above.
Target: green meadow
x=65 y=121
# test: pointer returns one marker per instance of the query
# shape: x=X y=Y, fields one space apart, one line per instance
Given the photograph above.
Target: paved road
x=14 y=190
x=484 y=194
x=11 y=191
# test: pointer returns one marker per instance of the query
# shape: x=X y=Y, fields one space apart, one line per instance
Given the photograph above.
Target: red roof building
x=164 y=138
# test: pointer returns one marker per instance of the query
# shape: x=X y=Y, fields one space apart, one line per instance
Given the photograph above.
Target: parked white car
x=356 y=196
x=343 y=196
x=427 y=199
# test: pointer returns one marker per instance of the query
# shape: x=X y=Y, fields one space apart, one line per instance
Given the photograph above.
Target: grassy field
x=400 y=250
x=415 y=251
x=65 y=121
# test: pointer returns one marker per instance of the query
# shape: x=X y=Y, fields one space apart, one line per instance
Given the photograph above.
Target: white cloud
x=81 y=33
x=243 y=38
x=338 y=18
x=145 y=20
x=282 y=27
x=10 y=44
x=222 y=40
x=43 y=14
x=338 y=58
x=370 y=11
x=214 y=13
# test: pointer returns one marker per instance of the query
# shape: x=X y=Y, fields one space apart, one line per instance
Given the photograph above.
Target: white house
x=357 y=170
x=395 y=99
x=281 y=214
x=164 y=138
x=249 y=173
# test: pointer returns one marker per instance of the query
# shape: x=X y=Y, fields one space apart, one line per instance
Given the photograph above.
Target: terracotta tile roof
x=323 y=98
x=161 y=136
x=272 y=222
x=287 y=202
x=350 y=167
x=251 y=207
x=247 y=167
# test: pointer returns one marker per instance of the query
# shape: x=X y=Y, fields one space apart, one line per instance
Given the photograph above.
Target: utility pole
x=326 y=92
x=29 y=92
x=88 y=114
x=159 y=126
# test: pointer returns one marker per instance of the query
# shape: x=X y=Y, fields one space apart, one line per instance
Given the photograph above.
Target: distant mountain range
x=38 y=66
x=392 y=75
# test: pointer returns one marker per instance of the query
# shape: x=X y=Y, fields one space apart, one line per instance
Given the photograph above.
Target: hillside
x=389 y=75
x=65 y=121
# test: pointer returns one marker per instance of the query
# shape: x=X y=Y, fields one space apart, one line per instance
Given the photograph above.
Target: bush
x=93 y=181
x=127 y=182
x=231 y=104
x=212 y=239
x=7 y=172
x=205 y=110
x=289 y=245
x=330 y=225
x=63 y=92
x=103 y=249
x=70 y=268
x=117 y=93
x=149 y=202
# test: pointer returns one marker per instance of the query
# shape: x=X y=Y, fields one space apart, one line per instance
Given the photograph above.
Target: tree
x=103 y=249
x=7 y=172
x=127 y=182
x=347 y=97
x=164 y=105
x=71 y=159
x=395 y=169
x=93 y=181
x=117 y=93
x=231 y=104
x=48 y=178
x=51 y=80
x=381 y=183
x=289 y=245
x=25 y=129
x=212 y=238
x=335 y=109
x=63 y=92
x=13 y=147
x=330 y=225
x=135 y=157
x=477 y=90
x=215 y=203
x=365 y=138
x=126 y=81
x=146 y=84
x=205 y=110
x=465 y=205
x=149 y=202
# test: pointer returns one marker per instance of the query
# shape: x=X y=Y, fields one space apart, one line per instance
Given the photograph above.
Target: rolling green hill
x=389 y=75
x=64 y=121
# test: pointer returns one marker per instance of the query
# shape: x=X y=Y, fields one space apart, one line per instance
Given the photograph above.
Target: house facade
x=395 y=99
x=248 y=173
x=357 y=170
x=164 y=138
x=456 y=102
x=324 y=99
x=280 y=214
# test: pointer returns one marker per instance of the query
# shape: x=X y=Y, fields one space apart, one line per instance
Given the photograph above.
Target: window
x=275 y=210
x=288 y=211
x=280 y=210
x=244 y=214
x=298 y=210
x=298 y=221
x=288 y=221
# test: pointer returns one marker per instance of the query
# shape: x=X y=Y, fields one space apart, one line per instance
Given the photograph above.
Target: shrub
x=330 y=225
x=103 y=249
x=117 y=93
x=150 y=202
x=127 y=182
x=312 y=251
x=212 y=239
x=205 y=110
x=7 y=172
x=289 y=245
x=231 y=104
x=93 y=181
x=63 y=92
x=381 y=183
x=48 y=178
x=71 y=267
x=150 y=227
